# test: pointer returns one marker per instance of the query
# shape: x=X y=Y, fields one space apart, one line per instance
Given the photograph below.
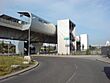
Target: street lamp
x=28 y=58
x=8 y=49
x=29 y=42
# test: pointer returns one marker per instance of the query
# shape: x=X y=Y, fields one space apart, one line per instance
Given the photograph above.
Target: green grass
x=7 y=61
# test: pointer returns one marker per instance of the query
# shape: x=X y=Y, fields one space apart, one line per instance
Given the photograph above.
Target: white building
x=84 y=42
x=65 y=36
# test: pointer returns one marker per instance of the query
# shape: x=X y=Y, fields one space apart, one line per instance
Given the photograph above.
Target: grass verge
x=6 y=63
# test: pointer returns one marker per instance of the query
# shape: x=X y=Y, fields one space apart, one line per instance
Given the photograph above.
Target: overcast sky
x=90 y=16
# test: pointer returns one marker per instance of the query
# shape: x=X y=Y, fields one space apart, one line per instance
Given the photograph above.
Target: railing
x=11 y=22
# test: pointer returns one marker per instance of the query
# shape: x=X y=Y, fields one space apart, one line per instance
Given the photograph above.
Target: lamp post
x=29 y=42
x=8 y=49
x=28 y=58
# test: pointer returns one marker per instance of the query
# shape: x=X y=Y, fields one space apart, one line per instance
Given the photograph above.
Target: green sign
x=67 y=45
x=66 y=38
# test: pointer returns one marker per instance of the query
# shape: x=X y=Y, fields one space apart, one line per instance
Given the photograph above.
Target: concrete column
x=20 y=47
x=37 y=47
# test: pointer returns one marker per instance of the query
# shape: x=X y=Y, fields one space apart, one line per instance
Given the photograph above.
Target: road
x=64 y=70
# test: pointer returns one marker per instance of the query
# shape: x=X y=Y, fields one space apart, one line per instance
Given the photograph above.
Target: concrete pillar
x=37 y=47
x=20 y=47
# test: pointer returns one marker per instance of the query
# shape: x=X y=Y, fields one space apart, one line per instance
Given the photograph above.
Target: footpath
x=104 y=59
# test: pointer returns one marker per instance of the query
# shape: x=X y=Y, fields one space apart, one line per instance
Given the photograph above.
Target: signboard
x=66 y=38
x=67 y=45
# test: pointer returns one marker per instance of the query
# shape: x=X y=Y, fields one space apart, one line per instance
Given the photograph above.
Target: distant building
x=84 y=42
x=81 y=42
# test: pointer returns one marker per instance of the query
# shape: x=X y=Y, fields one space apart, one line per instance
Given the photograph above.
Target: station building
x=36 y=31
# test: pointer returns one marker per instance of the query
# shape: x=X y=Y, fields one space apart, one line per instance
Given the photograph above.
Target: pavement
x=19 y=72
x=65 y=70
x=104 y=59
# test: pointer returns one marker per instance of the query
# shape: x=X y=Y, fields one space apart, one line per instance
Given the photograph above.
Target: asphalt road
x=64 y=70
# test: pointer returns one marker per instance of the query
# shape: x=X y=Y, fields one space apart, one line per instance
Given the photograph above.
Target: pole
x=29 y=42
x=8 y=49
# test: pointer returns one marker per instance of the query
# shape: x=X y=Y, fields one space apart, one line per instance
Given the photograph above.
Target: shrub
x=88 y=52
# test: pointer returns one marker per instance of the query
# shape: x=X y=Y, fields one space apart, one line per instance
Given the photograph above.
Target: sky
x=90 y=16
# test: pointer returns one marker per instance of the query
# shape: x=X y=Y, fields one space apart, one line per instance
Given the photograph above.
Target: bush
x=88 y=52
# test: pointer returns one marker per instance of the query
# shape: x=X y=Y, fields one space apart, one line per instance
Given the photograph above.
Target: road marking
x=73 y=75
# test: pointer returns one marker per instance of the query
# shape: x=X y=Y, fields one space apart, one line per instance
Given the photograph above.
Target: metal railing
x=11 y=22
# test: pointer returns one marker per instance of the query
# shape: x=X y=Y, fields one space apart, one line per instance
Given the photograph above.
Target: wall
x=105 y=51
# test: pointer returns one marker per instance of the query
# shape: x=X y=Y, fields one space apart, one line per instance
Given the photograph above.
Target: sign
x=67 y=45
x=66 y=38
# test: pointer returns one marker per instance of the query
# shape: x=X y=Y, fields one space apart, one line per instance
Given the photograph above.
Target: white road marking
x=73 y=75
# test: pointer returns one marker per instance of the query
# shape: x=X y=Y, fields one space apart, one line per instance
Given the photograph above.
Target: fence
x=10 y=22
x=105 y=51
